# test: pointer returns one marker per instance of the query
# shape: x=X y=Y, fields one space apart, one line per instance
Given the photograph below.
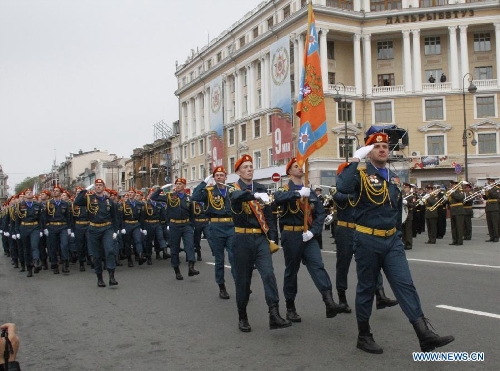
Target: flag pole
x=306 y=199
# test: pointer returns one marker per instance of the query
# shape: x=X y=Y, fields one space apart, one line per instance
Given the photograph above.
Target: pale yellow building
x=377 y=57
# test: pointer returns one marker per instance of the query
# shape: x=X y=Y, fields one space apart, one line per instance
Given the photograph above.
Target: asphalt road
x=150 y=321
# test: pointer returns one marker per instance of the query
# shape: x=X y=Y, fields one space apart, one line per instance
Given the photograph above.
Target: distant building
x=4 y=194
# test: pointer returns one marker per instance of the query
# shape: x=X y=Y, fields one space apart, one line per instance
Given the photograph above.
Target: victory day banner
x=281 y=99
x=216 y=121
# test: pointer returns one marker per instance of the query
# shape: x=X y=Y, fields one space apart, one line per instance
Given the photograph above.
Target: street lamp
x=338 y=98
x=467 y=132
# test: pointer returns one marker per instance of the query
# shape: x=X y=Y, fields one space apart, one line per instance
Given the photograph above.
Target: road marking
x=455 y=263
x=479 y=313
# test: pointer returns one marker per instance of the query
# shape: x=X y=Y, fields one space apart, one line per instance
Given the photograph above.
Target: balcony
x=388 y=90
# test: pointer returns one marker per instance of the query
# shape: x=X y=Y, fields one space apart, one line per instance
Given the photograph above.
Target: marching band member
x=457 y=213
x=492 y=197
x=431 y=214
x=407 y=228
x=468 y=212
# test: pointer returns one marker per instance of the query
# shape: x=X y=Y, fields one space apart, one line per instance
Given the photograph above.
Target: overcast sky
x=85 y=74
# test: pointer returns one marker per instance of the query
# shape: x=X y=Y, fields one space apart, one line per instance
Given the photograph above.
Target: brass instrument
x=332 y=189
x=411 y=194
x=422 y=199
x=480 y=191
x=446 y=195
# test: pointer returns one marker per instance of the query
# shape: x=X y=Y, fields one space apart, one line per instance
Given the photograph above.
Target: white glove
x=306 y=236
x=124 y=231
x=1 y=232
x=18 y=236
x=72 y=235
x=305 y=191
x=46 y=232
x=363 y=152
x=168 y=228
x=144 y=232
x=14 y=237
x=166 y=186
x=264 y=197
x=114 y=236
x=6 y=234
x=405 y=202
x=209 y=178
x=90 y=187
x=69 y=231
x=41 y=234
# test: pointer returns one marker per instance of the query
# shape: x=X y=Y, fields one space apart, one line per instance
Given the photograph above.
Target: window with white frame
x=243 y=132
x=219 y=56
x=331 y=78
x=193 y=149
x=483 y=73
x=230 y=137
x=346 y=150
x=383 y=112
x=202 y=171
x=269 y=126
x=244 y=73
x=255 y=32
x=435 y=145
x=330 y=50
x=271 y=161
x=245 y=104
x=202 y=146
x=257 y=160
x=259 y=98
x=434 y=109
x=193 y=172
x=242 y=41
x=485 y=106
x=482 y=42
x=231 y=163
x=259 y=70
x=256 y=128
x=385 y=50
x=344 y=111
x=432 y=45
x=286 y=11
x=487 y=143
x=185 y=173
x=436 y=74
x=185 y=150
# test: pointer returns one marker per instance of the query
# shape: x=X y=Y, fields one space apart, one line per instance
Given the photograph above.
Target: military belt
x=221 y=220
x=201 y=220
x=179 y=221
x=457 y=204
x=100 y=224
x=131 y=221
x=82 y=222
x=492 y=200
x=29 y=223
x=467 y=207
x=346 y=224
x=376 y=232
x=57 y=223
x=153 y=221
x=293 y=228
x=248 y=230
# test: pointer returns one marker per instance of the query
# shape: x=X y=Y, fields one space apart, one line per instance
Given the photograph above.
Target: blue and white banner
x=281 y=89
x=216 y=111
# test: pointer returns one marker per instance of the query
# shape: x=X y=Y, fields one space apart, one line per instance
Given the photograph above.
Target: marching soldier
x=492 y=197
x=378 y=242
x=102 y=226
x=457 y=212
x=431 y=214
x=80 y=228
x=255 y=227
x=468 y=211
x=299 y=244
x=200 y=227
x=131 y=219
x=44 y=241
x=442 y=210
x=152 y=216
x=221 y=228
x=180 y=225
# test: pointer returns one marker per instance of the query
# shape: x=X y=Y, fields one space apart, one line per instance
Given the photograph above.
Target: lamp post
x=338 y=99
x=467 y=132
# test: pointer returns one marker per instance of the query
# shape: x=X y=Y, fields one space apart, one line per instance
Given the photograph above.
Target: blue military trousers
x=177 y=232
x=100 y=240
x=220 y=238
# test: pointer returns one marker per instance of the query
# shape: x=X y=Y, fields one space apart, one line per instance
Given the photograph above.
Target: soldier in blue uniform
x=255 y=225
x=80 y=228
x=45 y=195
x=103 y=229
x=131 y=220
x=29 y=224
x=57 y=227
x=180 y=225
x=378 y=242
x=152 y=215
x=200 y=226
x=221 y=227
x=299 y=242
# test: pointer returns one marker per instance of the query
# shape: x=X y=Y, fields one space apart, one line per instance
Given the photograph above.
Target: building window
x=255 y=32
x=346 y=151
x=271 y=161
x=286 y=12
x=202 y=147
x=202 y=171
x=231 y=163
x=219 y=56
x=383 y=112
x=243 y=132
x=303 y=3
x=485 y=107
x=482 y=42
x=232 y=84
x=342 y=112
x=483 y=73
x=331 y=78
x=209 y=64
x=433 y=3
x=270 y=23
x=432 y=45
x=185 y=150
x=256 y=128
x=259 y=71
x=200 y=70
x=385 y=50
x=242 y=41
x=191 y=76
x=233 y=108
x=435 y=145
x=245 y=104
x=292 y=52
x=185 y=171
x=434 y=109
x=230 y=137
x=193 y=149
x=487 y=143
x=257 y=160
x=436 y=74
x=259 y=98
x=381 y=5
x=244 y=73
x=341 y=4
x=330 y=50
x=386 y=79
x=193 y=172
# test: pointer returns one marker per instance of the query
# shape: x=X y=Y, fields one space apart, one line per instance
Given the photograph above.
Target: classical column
x=197 y=112
x=324 y=57
x=497 y=44
x=358 y=82
x=263 y=81
x=296 y=63
x=367 y=63
x=267 y=81
x=417 y=62
x=464 y=57
x=206 y=109
x=455 y=79
x=407 y=61
x=250 y=88
x=301 y=56
x=189 y=111
x=237 y=95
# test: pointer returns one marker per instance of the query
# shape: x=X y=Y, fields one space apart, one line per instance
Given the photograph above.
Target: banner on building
x=216 y=122
x=281 y=127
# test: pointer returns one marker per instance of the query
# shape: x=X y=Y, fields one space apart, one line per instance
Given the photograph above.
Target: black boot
x=158 y=257
x=166 y=255
x=38 y=266
x=366 y=341
x=275 y=319
x=178 y=275
x=118 y=262
x=55 y=268
x=16 y=263
x=65 y=266
x=82 y=266
x=223 y=292
x=23 y=268
x=149 y=261
x=198 y=256
x=332 y=308
x=383 y=301
x=192 y=271
x=45 y=266
x=130 y=262
x=112 y=281
x=243 y=324
x=100 y=281
x=142 y=259
x=429 y=340
x=30 y=271
x=343 y=302
x=291 y=312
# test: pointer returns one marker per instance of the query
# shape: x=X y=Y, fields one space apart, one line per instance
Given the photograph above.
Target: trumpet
x=446 y=195
x=411 y=194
